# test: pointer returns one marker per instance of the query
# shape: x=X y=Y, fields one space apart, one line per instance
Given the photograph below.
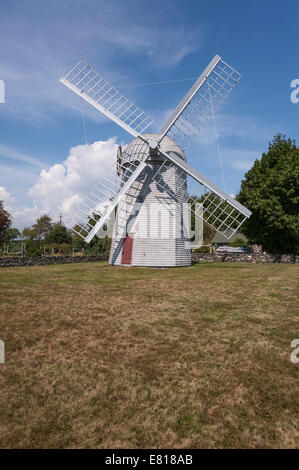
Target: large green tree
x=42 y=226
x=271 y=191
x=59 y=234
x=5 y=222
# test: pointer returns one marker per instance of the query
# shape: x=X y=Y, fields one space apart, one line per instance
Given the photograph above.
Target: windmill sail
x=93 y=213
x=219 y=210
x=90 y=86
x=90 y=215
x=207 y=94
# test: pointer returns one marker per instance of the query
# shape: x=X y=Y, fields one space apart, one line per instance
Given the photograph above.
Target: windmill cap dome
x=138 y=149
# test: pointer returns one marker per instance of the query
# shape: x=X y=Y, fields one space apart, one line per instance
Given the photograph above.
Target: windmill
x=153 y=168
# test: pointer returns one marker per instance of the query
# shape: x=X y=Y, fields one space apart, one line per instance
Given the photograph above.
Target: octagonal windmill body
x=151 y=190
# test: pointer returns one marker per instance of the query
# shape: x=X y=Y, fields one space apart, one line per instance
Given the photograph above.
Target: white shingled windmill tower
x=151 y=173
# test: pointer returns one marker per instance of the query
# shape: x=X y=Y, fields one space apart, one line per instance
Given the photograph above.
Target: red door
x=126 y=257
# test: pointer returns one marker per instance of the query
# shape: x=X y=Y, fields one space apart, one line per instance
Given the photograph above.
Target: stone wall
x=196 y=257
x=244 y=258
x=41 y=260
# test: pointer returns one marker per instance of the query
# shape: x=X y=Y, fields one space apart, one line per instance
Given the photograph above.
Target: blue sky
x=42 y=142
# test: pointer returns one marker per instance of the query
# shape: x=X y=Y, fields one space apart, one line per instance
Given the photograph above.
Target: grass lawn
x=100 y=356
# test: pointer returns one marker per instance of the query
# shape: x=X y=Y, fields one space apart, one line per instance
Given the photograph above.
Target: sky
x=46 y=164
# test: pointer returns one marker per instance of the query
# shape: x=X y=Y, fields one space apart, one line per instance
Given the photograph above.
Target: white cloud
x=239 y=158
x=242 y=165
x=60 y=188
x=34 y=58
x=6 y=196
x=11 y=153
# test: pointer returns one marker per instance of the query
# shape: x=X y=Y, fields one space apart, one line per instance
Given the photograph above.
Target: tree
x=59 y=234
x=5 y=222
x=29 y=233
x=12 y=234
x=33 y=249
x=271 y=191
x=239 y=242
x=99 y=245
x=42 y=226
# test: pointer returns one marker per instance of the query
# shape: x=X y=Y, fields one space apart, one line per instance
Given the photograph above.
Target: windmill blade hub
x=153 y=143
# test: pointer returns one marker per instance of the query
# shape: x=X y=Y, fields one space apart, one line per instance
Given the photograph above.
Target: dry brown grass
x=128 y=357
